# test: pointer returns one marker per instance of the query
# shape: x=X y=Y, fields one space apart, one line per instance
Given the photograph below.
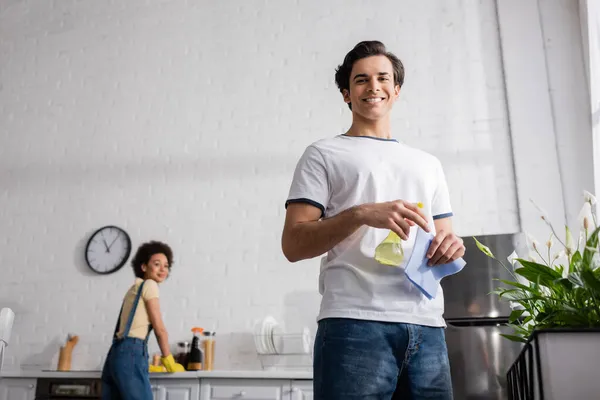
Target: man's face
x=372 y=89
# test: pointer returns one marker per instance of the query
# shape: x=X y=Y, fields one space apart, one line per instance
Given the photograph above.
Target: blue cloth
x=424 y=277
x=125 y=374
x=368 y=360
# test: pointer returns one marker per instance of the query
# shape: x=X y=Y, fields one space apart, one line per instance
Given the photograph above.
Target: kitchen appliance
x=479 y=356
x=68 y=389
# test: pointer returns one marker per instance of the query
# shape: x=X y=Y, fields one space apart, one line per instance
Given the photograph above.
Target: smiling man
x=378 y=336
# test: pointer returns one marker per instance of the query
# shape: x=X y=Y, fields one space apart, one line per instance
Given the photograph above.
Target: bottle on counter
x=195 y=356
x=209 y=350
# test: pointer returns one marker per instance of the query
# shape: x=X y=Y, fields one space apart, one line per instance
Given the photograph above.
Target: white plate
x=278 y=338
x=258 y=337
x=267 y=334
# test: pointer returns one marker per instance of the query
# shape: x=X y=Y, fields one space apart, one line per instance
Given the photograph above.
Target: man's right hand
x=398 y=216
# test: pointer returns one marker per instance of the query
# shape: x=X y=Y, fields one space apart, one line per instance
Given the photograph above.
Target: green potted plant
x=555 y=298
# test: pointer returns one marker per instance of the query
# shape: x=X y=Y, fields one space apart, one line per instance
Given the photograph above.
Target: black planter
x=557 y=364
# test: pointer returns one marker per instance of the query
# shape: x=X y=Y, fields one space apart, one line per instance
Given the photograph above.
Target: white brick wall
x=183 y=122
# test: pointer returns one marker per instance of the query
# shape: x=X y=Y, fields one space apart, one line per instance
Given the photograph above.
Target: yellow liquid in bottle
x=390 y=251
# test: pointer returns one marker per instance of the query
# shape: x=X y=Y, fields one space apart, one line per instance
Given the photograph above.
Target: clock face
x=108 y=250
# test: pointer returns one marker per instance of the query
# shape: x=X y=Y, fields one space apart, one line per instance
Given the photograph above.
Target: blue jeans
x=125 y=374
x=370 y=360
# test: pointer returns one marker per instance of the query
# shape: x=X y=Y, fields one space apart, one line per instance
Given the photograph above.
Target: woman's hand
x=171 y=365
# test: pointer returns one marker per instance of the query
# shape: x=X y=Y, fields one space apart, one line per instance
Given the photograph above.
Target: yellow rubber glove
x=157 y=368
x=171 y=365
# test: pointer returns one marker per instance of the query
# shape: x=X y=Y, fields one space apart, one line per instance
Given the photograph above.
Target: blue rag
x=424 y=277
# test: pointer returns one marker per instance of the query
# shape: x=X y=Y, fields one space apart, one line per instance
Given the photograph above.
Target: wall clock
x=108 y=249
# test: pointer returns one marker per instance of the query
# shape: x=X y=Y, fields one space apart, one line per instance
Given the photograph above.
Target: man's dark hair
x=146 y=251
x=363 y=50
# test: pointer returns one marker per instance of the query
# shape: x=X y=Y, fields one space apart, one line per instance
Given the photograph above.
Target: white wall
x=548 y=104
x=590 y=30
x=183 y=122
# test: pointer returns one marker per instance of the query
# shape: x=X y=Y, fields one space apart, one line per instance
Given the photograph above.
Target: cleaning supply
x=156 y=365
x=171 y=365
x=390 y=251
x=195 y=357
x=427 y=279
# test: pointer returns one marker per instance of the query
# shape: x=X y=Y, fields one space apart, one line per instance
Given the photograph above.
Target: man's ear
x=346 y=95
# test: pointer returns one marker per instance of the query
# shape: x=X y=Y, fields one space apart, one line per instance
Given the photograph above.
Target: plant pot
x=557 y=364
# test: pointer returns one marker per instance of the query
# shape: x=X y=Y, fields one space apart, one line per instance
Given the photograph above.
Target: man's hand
x=398 y=216
x=445 y=247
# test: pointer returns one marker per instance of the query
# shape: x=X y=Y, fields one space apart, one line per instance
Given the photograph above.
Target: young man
x=378 y=336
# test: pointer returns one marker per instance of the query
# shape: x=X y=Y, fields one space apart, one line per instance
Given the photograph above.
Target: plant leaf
x=575 y=278
x=538 y=273
x=484 y=249
x=520 y=286
x=593 y=244
x=564 y=282
x=514 y=338
x=591 y=281
x=515 y=315
x=575 y=261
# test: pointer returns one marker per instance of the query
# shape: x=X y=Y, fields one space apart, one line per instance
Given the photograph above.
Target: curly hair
x=363 y=50
x=146 y=251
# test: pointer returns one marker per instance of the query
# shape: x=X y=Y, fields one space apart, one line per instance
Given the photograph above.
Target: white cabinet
x=17 y=389
x=245 y=389
x=175 y=389
x=302 y=390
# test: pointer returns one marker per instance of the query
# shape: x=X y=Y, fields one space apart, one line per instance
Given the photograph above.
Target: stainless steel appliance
x=479 y=356
x=68 y=389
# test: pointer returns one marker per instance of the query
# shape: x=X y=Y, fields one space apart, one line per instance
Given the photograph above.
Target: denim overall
x=125 y=374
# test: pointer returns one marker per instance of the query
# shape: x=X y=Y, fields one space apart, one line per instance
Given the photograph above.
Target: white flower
x=560 y=255
x=515 y=306
x=543 y=213
x=549 y=243
x=512 y=258
x=581 y=242
x=585 y=214
x=532 y=244
x=589 y=198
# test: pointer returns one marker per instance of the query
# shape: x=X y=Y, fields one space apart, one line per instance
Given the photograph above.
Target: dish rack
x=285 y=351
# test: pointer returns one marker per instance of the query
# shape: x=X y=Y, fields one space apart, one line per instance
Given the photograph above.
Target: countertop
x=248 y=374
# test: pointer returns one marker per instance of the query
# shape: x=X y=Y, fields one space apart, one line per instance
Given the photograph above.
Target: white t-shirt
x=337 y=173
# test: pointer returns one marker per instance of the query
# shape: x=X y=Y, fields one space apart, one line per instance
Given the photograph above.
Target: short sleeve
x=150 y=290
x=440 y=205
x=310 y=184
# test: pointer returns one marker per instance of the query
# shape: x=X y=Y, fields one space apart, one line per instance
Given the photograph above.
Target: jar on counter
x=183 y=350
x=208 y=346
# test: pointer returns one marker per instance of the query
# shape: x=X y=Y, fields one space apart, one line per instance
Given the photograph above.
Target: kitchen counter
x=247 y=374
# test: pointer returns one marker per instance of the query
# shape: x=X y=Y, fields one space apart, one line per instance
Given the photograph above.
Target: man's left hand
x=445 y=247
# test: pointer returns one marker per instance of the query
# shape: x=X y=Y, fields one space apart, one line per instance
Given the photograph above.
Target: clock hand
x=105 y=245
x=113 y=242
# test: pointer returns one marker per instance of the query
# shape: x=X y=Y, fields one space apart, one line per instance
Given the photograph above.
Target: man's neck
x=379 y=129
